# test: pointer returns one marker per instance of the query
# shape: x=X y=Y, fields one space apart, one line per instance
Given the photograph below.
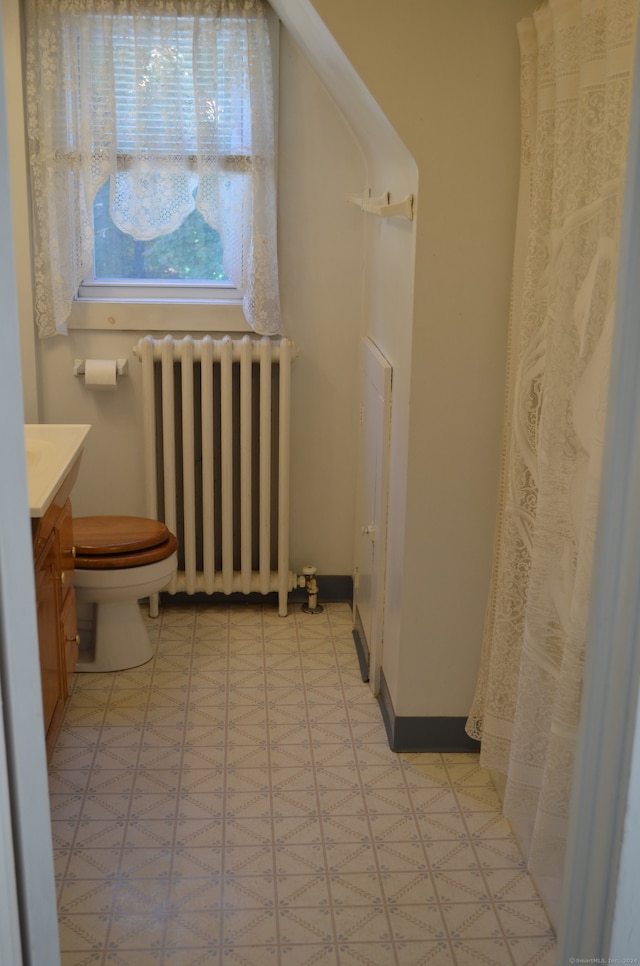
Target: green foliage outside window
x=191 y=253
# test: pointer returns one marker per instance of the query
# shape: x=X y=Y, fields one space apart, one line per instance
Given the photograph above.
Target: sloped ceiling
x=375 y=134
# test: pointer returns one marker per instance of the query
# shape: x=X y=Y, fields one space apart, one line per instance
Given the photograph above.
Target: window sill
x=161 y=316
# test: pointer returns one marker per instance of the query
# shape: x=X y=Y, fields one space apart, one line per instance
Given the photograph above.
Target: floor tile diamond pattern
x=235 y=801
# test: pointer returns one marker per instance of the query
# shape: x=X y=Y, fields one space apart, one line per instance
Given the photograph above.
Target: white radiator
x=217 y=445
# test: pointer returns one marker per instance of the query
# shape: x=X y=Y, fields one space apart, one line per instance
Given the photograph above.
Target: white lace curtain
x=576 y=66
x=192 y=127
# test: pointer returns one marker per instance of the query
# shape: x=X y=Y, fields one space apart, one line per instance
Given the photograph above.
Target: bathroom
x=344 y=275
x=447 y=81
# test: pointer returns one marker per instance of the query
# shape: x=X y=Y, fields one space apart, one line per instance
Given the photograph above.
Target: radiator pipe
x=311 y=586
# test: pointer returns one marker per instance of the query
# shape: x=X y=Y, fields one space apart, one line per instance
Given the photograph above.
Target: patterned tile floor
x=235 y=801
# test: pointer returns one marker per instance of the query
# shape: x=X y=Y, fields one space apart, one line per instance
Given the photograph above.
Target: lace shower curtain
x=192 y=128
x=576 y=65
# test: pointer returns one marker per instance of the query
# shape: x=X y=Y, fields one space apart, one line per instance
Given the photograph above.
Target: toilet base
x=120 y=639
x=120 y=635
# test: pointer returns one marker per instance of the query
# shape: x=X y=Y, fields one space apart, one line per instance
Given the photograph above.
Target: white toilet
x=118 y=561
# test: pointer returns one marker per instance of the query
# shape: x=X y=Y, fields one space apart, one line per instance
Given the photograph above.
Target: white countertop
x=52 y=449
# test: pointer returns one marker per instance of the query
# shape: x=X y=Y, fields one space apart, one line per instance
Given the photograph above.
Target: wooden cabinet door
x=69 y=639
x=57 y=621
x=64 y=530
x=47 y=599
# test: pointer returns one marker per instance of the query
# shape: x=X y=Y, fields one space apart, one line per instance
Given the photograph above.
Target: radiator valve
x=311 y=586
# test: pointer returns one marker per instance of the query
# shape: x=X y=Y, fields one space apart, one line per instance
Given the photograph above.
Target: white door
x=371 y=513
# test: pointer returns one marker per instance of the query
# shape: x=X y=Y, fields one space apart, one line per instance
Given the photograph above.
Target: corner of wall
x=12 y=53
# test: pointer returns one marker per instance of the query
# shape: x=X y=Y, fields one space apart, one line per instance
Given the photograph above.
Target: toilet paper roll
x=100 y=374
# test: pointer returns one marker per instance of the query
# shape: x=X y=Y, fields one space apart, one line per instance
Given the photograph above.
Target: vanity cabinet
x=56 y=605
x=47 y=605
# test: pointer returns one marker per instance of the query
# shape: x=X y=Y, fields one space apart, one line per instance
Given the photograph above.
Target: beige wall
x=12 y=47
x=422 y=99
x=321 y=265
x=446 y=76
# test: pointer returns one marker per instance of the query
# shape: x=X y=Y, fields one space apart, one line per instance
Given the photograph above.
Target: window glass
x=191 y=253
x=153 y=164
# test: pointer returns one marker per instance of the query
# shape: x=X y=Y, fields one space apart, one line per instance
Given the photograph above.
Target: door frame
x=28 y=917
x=601 y=882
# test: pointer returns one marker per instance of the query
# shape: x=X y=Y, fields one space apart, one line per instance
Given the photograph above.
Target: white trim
x=24 y=799
x=10 y=948
x=625 y=933
x=158 y=316
x=378 y=370
x=595 y=894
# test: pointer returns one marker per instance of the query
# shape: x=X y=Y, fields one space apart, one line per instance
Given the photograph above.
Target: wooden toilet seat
x=115 y=542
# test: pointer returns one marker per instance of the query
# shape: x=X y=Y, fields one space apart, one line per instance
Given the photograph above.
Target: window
x=152 y=153
x=187 y=264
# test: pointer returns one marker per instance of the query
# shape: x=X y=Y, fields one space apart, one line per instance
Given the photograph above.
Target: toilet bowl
x=118 y=561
